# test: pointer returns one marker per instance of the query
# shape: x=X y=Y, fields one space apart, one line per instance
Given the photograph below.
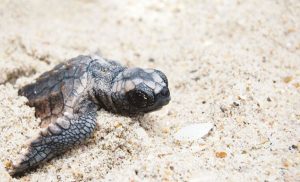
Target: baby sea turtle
x=67 y=99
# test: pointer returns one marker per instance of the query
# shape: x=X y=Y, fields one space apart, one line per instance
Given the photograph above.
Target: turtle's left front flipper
x=58 y=137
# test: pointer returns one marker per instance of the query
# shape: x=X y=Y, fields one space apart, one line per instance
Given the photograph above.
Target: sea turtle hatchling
x=67 y=99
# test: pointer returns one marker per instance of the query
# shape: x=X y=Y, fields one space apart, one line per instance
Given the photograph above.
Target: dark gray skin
x=68 y=97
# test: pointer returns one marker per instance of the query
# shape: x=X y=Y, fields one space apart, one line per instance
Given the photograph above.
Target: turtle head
x=136 y=91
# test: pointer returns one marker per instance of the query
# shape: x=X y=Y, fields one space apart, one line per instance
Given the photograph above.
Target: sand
x=235 y=64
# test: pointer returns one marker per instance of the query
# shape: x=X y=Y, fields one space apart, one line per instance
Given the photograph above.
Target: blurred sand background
x=235 y=64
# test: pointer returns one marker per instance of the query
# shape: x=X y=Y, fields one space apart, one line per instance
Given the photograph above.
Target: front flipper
x=59 y=137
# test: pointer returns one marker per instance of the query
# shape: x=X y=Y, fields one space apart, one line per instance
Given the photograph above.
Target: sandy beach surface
x=232 y=64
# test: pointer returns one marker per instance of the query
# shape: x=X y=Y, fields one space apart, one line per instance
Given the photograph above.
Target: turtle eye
x=139 y=98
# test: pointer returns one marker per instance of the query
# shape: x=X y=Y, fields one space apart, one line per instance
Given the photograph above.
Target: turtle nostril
x=165 y=92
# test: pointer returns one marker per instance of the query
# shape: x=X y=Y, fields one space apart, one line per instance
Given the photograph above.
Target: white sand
x=235 y=64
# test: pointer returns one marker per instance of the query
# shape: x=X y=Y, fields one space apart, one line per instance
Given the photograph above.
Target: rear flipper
x=59 y=137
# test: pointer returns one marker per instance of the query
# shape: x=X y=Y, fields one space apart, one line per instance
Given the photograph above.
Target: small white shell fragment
x=193 y=132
